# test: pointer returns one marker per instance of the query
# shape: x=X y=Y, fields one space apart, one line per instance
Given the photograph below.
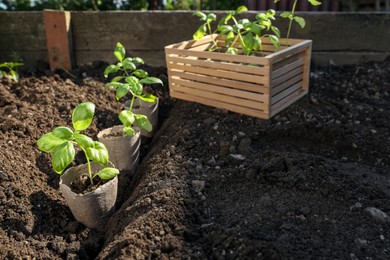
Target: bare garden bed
x=312 y=182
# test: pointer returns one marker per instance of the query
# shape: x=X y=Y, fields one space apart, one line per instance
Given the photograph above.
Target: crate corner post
x=58 y=39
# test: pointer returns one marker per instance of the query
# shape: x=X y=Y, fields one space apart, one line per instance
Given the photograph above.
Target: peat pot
x=123 y=150
x=261 y=85
x=92 y=208
x=148 y=109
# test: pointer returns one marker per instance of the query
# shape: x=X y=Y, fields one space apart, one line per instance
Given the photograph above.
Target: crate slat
x=218 y=104
x=222 y=90
x=279 y=72
x=285 y=93
x=219 y=97
x=284 y=85
x=221 y=82
x=286 y=76
x=287 y=102
x=256 y=70
x=220 y=73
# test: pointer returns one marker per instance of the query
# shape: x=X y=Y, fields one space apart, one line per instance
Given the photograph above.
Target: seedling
x=292 y=17
x=7 y=70
x=247 y=33
x=61 y=141
x=130 y=80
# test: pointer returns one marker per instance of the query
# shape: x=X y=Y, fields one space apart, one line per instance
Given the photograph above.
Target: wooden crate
x=259 y=86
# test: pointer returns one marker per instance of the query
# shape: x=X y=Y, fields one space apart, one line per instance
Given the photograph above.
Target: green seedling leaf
x=200 y=33
x=119 y=51
x=48 y=142
x=224 y=29
x=128 y=64
x=141 y=73
x=98 y=153
x=301 y=21
x=232 y=50
x=108 y=173
x=286 y=15
x=241 y=9
x=276 y=31
x=225 y=19
x=83 y=140
x=201 y=15
x=148 y=98
x=136 y=89
x=257 y=43
x=82 y=116
x=122 y=91
x=229 y=37
x=129 y=131
x=113 y=85
x=127 y=118
x=64 y=133
x=138 y=60
x=211 y=17
x=132 y=80
x=314 y=2
x=110 y=69
x=276 y=1
x=63 y=155
x=256 y=29
x=248 y=41
x=151 y=80
x=275 y=40
x=143 y=122
x=270 y=13
x=117 y=79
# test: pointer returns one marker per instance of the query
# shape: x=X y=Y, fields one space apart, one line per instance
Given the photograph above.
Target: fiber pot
x=148 y=109
x=92 y=208
x=123 y=150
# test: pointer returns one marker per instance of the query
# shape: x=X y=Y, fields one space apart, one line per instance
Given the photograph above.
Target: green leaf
x=248 y=41
x=200 y=33
x=211 y=17
x=141 y=73
x=122 y=91
x=286 y=14
x=257 y=43
x=108 y=173
x=138 y=60
x=270 y=13
x=275 y=40
x=143 y=122
x=241 y=9
x=119 y=51
x=98 y=153
x=127 y=118
x=83 y=115
x=314 y=2
x=132 y=80
x=129 y=131
x=256 y=29
x=128 y=64
x=225 y=19
x=83 y=140
x=276 y=1
x=201 y=15
x=63 y=132
x=63 y=155
x=117 y=79
x=136 y=89
x=301 y=21
x=224 y=29
x=229 y=37
x=151 y=80
x=48 y=142
x=276 y=31
x=232 y=50
x=148 y=98
x=113 y=85
x=110 y=69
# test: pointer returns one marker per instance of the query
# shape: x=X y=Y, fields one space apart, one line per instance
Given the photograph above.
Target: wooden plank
x=286 y=76
x=222 y=90
x=218 y=104
x=279 y=72
x=288 y=60
x=275 y=90
x=219 y=56
x=306 y=69
x=58 y=39
x=219 y=73
x=266 y=46
x=283 y=94
x=287 y=102
x=280 y=55
x=219 y=97
x=249 y=69
x=220 y=82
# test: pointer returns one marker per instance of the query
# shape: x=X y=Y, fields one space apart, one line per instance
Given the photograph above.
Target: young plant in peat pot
x=243 y=65
x=90 y=189
x=123 y=141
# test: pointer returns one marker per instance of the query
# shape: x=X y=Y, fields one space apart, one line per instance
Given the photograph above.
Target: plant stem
x=89 y=165
x=132 y=102
x=291 y=20
x=211 y=35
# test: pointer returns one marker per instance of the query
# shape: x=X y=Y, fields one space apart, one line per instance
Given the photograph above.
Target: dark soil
x=311 y=183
